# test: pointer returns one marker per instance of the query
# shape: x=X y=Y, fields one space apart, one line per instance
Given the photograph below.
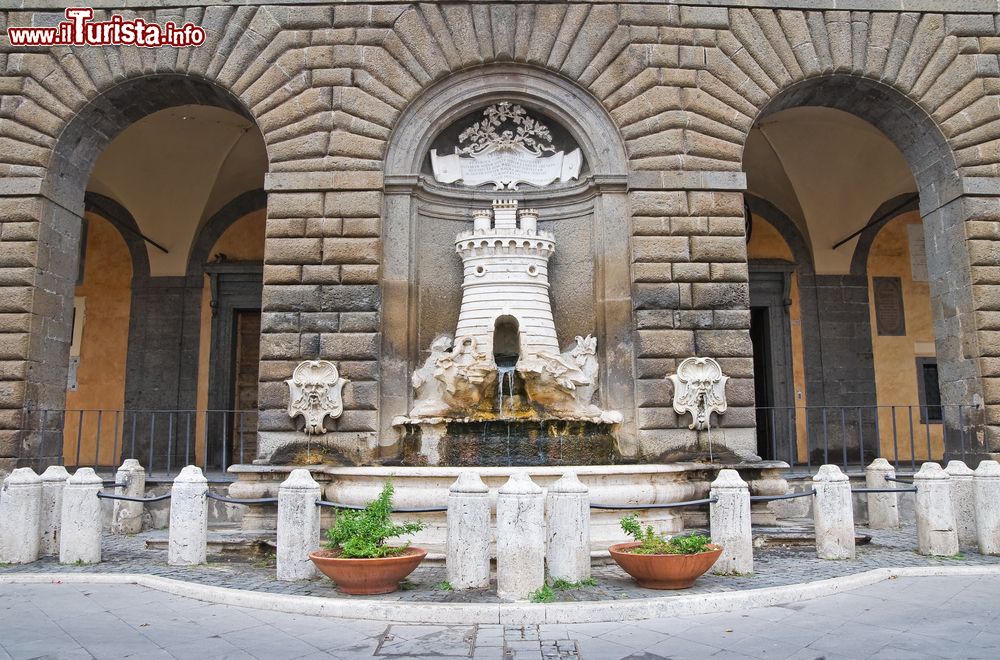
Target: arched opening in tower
x=506 y=342
x=506 y=349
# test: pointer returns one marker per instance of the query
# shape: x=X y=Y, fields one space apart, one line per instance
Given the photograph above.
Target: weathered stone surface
x=298 y=526
x=833 y=514
x=963 y=499
x=729 y=517
x=53 y=482
x=188 y=538
x=936 y=533
x=469 y=532
x=130 y=481
x=80 y=527
x=883 y=508
x=986 y=481
x=20 y=517
x=567 y=521
x=520 y=538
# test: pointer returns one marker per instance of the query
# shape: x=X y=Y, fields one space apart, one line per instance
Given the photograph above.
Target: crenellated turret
x=506 y=280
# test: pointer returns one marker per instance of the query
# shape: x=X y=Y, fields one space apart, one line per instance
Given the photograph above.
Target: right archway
x=958 y=273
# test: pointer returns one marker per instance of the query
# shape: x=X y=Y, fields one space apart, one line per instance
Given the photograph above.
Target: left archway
x=55 y=210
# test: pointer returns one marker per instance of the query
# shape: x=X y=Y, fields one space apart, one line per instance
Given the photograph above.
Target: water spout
x=505 y=375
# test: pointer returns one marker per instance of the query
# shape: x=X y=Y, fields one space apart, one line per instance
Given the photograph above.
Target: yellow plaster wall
x=895 y=357
x=767 y=243
x=107 y=289
x=242 y=241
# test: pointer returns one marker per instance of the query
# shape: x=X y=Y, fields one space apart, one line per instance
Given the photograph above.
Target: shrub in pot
x=659 y=562
x=356 y=556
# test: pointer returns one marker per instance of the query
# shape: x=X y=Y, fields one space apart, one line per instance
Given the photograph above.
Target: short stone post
x=20 y=516
x=986 y=481
x=963 y=500
x=468 y=546
x=567 y=521
x=298 y=525
x=936 y=534
x=520 y=538
x=53 y=482
x=833 y=514
x=188 y=532
x=130 y=481
x=80 y=529
x=883 y=508
x=729 y=518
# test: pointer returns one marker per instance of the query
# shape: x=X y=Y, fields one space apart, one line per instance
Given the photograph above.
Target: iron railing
x=806 y=437
x=163 y=441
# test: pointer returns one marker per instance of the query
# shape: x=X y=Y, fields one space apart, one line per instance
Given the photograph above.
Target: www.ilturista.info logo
x=79 y=30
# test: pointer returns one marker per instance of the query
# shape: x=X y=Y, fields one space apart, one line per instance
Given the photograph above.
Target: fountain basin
x=426 y=487
x=508 y=443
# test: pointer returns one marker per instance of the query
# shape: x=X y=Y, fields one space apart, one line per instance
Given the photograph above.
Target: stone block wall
x=691 y=297
x=327 y=85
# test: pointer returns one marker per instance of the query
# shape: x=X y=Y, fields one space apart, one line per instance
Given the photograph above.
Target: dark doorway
x=246 y=363
x=770 y=332
x=231 y=419
x=506 y=341
x=762 y=385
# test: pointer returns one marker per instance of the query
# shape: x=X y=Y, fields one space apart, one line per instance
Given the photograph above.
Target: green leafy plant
x=563 y=585
x=543 y=594
x=445 y=586
x=652 y=543
x=362 y=534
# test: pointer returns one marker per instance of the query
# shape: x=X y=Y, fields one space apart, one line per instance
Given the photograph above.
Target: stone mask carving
x=699 y=389
x=315 y=393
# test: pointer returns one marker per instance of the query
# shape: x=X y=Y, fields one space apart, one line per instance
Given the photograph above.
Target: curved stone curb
x=505 y=613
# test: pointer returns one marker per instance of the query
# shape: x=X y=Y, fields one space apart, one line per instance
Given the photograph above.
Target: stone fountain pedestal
x=423 y=487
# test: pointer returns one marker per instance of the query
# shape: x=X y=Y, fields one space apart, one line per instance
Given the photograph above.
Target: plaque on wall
x=890 y=319
x=918 y=252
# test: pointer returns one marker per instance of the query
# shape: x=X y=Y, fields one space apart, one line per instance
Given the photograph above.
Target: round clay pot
x=364 y=577
x=664 y=571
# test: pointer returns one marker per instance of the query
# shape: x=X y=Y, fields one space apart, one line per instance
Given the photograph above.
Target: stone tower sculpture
x=506 y=337
x=505 y=286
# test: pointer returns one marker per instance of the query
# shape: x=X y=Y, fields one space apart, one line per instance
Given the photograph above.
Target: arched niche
x=944 y=212
x=589 y=273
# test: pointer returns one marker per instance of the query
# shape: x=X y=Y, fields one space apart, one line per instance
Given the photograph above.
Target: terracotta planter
x=664 y=571
x=364 y=577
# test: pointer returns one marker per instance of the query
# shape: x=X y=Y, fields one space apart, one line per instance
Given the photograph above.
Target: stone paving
x=911 y=618
x=773 y=566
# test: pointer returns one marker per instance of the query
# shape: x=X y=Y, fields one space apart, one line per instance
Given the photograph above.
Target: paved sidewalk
x=932 y=617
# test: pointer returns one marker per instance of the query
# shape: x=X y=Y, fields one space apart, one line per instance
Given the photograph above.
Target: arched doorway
x=830 y=159
x=173 y=166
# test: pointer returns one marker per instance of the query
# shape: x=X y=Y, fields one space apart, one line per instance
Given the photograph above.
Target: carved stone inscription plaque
x=890 y=318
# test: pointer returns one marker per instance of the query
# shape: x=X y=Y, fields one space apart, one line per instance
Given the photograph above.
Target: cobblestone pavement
x=912 y=618
x=773 y=566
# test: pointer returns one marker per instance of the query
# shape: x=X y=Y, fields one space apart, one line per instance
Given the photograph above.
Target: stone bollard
x=833 y=514
x=883 y=508
x=298 y=525
x=963 y=500
x=130 y=481
x=936 y=534
x=468 y=545
x=80 y=528
x=729 y=518
x=986 y=481
x=567 y=521
x=20 y=516
x=53 y=482
x=520 y=538
x=188 y=532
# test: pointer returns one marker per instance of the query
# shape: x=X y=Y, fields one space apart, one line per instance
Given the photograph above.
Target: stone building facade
x=348 y=99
